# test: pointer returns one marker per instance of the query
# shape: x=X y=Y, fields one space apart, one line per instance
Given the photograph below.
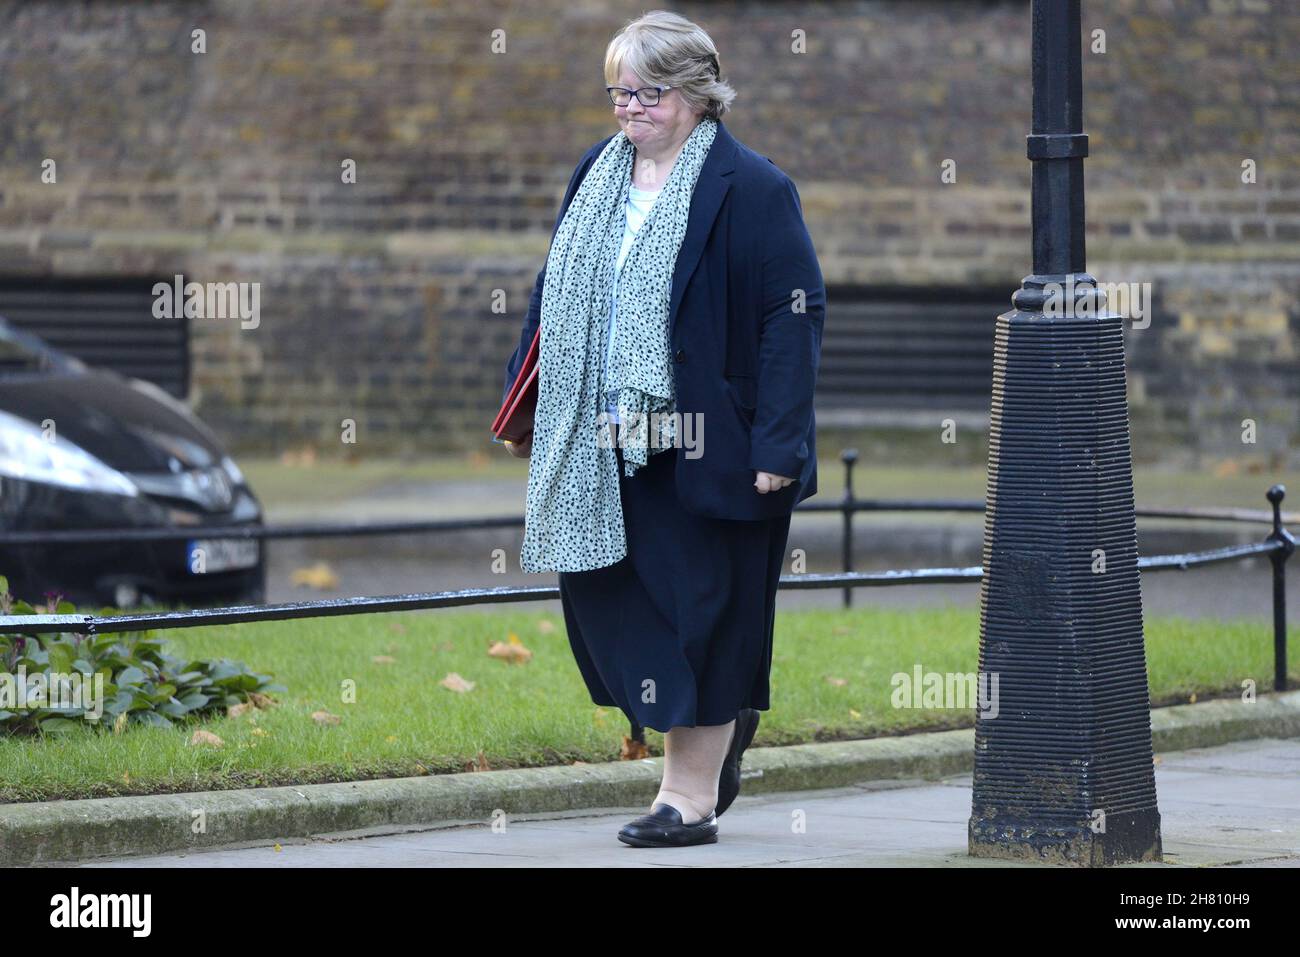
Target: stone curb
x=71 y=831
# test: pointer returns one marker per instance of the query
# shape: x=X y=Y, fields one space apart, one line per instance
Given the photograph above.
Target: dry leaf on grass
x=306 y=456
x=837 y=682
x=384 y=660
x=206 y=737
x=236 y=710
x=632 y=750
x=480 y=763
x=319 y=576
x=263 y=701
x=545 y=626
x=324 y=717
x=454 y=682
x=512 y=650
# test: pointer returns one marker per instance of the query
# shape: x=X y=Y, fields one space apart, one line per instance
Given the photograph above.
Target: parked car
x=84 y=448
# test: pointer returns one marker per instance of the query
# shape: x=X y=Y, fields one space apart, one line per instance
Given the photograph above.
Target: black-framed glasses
x=646 y=96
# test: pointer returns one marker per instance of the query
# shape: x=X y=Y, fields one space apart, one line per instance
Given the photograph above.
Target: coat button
x=681 y=355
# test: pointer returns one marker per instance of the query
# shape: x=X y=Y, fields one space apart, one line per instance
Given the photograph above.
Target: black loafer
x=663 y=827
x=729 y=779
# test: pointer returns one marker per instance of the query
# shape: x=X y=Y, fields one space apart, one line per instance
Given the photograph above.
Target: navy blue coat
x=746 y=358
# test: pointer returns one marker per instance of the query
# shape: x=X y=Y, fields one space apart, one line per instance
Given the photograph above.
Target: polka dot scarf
x=574 y=516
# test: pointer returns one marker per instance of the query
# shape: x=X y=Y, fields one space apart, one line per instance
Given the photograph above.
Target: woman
x=681 y=306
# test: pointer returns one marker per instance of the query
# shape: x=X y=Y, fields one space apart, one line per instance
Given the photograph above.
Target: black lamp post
x=1063 y=767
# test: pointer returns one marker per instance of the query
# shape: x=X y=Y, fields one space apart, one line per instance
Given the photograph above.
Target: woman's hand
x=520 y=450
x=767 y=482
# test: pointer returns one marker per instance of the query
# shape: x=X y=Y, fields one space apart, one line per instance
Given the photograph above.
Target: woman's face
x=654 y=130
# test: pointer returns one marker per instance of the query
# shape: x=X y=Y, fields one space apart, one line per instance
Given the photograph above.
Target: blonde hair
x=665 y=49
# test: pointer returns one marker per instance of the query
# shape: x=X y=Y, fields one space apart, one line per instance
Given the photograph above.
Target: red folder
x=514 y=422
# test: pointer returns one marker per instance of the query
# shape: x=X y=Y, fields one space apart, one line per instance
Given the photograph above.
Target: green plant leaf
x=59 y=725
x=130 y=675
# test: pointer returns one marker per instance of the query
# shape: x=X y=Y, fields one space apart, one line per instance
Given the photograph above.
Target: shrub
x=142 y=683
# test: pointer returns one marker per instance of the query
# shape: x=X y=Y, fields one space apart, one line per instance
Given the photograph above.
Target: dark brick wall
x=377 y=297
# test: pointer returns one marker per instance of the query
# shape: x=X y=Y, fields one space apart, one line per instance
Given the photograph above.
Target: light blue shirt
x=639 y=202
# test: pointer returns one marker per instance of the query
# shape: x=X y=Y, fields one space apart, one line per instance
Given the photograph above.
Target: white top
x=639 y=202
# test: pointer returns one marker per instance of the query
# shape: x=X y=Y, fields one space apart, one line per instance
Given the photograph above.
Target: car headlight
x=25 y=453
x=232 y=470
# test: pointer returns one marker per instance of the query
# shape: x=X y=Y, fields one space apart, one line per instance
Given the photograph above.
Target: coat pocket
x=745 y=389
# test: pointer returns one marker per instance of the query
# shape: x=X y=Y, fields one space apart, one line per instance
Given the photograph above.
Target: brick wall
x=377 y=297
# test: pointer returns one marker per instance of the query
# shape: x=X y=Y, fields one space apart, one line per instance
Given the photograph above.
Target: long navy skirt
x=679 y=631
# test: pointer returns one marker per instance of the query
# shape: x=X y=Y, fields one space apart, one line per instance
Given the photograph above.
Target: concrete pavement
x=1235 y=805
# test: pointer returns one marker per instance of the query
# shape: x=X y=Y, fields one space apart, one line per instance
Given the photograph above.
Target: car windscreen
x=16 y=357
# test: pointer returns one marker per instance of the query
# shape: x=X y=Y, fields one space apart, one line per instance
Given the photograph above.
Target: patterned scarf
x=574 y=516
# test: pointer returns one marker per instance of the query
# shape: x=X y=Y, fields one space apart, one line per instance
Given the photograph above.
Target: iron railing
x=1278 y=546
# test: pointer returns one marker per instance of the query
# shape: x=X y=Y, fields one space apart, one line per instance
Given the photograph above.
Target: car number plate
x=206 y=555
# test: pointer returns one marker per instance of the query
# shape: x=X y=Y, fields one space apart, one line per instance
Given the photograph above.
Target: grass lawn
x=830 y=680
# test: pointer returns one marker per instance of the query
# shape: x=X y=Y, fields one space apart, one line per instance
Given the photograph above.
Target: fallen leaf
x=384 y=660
x=856 y=714
x=397 y=626
x=324 y=717
x=480 y=763
x=837 y=682
x=1192 y=699
x=260 y=732
x=263 y=701
x=206 y=737
x=545 y=626
x=512 y=650
x=306 y=456
x=236 y=710
x=632 y=750
x=454 y=682
x=316 y=576
x=119 y=723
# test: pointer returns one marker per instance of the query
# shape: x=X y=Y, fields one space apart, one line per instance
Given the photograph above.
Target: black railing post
x=848 y=457
x=1287 y=542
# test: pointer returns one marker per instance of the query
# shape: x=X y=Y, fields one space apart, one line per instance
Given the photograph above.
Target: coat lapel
x=710 y=189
